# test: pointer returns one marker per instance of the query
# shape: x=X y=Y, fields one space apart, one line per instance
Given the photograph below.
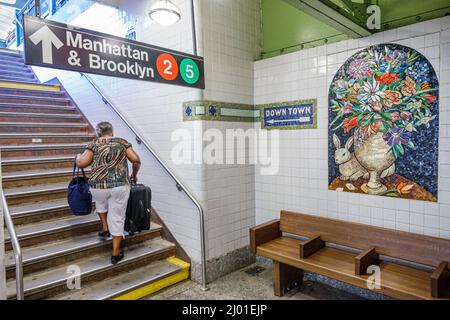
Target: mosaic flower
x=347 y=109
x=397 y=136
x=376 y=106
x=371 y=92
x=395 y=116
x=406 y=115
x=392 y=98
x=409 y=87
x=359 y=69
x=430 y=98
x=350 y=124
x=387 y=78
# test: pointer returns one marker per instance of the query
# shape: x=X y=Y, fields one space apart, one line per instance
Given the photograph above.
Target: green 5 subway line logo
x=56 y=45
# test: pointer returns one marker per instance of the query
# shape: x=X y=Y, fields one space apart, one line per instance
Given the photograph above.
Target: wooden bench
x=412 y=266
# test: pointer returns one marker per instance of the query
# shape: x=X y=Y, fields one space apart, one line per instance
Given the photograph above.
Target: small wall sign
x=292 y=115
x=219 y=111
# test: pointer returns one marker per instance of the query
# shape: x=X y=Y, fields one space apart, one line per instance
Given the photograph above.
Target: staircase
x=41 y=131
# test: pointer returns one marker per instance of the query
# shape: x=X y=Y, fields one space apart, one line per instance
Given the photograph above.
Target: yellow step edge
x=10 y=51
x=156 y=286
x=13 y=85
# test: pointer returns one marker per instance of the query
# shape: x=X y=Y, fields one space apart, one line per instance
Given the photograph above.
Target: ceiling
x=291 y=25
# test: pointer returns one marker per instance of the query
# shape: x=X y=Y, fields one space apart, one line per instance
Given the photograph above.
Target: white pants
x=113 y=201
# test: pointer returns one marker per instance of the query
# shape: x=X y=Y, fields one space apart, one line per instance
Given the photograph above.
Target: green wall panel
x=285 y=29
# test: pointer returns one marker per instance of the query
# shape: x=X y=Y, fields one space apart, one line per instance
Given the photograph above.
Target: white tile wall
x=301 y=184
x=230 y=44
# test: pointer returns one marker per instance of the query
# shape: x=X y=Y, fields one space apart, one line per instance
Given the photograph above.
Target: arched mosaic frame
x=384 y=102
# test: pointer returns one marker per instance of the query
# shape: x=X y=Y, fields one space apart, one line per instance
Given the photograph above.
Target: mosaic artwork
x=384 y=124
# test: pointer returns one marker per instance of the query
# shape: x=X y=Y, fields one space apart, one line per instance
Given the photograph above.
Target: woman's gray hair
x=104 y=128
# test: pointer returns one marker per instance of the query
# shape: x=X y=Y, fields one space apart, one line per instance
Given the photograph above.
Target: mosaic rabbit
x=349 y=167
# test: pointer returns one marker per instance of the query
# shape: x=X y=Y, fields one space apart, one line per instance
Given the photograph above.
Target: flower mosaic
x=384 y=125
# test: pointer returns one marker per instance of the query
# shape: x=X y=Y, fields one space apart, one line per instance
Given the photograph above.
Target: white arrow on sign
x=48 y=39
x=283 y=121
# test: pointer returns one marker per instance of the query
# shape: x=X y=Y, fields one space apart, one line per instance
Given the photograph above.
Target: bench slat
x=403 y=245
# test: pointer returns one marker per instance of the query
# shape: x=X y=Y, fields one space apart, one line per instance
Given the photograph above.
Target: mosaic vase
x=374 y=154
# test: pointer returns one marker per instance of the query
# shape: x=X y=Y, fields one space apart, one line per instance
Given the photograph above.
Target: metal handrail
x=16 y=248
x=180 y=186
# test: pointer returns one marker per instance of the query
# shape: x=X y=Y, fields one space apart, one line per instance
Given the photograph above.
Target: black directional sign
x=61 y=46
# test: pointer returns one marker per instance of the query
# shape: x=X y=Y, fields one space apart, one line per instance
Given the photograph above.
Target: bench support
x=311 y=246
x=366 y=259
x=283 y=276
x=440 y=281
x=264 y=233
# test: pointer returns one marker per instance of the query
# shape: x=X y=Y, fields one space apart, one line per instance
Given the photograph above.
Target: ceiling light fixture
x=165 y=13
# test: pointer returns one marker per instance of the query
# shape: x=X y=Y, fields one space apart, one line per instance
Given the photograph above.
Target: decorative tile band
x=293 y=115
x=219 y=111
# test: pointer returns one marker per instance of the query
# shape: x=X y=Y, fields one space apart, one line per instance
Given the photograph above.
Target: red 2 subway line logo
x=57 y=45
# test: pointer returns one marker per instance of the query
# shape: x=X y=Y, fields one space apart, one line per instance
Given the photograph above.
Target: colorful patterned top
x=109 y=166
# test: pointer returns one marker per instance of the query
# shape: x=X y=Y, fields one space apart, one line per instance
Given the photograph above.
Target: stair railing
x=16 y=248
x=179 y=185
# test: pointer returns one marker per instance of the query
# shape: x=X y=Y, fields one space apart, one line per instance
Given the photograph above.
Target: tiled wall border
x=219 y=111
x=206 y=110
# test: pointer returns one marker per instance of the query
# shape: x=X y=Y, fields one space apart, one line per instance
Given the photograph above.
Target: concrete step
x=36 y=127
x=34 y=194
x=29 y=79
x=39 y=117
x=25 y=73
x=41 y=211
x=142 y=281
x=11 y=54
x=52 y=230
x=4 y=51
x=5 y=59
x=45 y=138
x=33 y=83
x=20 y=63
x=34 y=163
x=30 y=90
x=29 y=150
x=54 y=281
x=44 y=256
x=15 y=67
x=37 y=177
x=27 y=108
x=29 y=99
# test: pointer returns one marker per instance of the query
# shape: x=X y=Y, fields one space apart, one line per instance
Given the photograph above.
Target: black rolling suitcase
x=139 y=209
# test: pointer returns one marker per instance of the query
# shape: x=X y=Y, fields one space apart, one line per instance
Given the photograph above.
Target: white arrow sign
x=303 y=119
x=48 y=39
